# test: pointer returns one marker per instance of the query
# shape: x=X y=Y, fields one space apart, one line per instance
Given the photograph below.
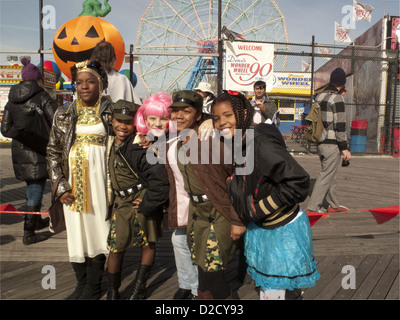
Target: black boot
x=81 y=277
x=295 y=294
x=40 y=223
x=182 y=294
x=114 y=282
x=30 y=221
x=139 y=287
x=92 y=290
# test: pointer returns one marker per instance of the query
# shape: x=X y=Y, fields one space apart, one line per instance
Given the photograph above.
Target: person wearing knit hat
x=30 y=71
x=338 y=77
x=29 y=144
x=333 y=115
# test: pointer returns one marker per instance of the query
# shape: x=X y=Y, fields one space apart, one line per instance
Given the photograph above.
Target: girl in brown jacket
x=213 y=225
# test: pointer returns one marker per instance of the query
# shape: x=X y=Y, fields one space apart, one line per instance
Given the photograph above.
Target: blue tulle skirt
x=282 y=258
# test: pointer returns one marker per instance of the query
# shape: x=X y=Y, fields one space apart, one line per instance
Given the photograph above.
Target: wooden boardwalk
x=343 y=242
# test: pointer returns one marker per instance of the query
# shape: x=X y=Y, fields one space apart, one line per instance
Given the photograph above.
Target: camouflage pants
x=138 y=238
x=209 y=240
x=130 y=228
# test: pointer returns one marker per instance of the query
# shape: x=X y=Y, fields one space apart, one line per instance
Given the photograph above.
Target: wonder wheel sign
x=246 y=63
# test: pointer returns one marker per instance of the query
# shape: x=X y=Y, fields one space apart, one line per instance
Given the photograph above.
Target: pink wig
x=156 y=105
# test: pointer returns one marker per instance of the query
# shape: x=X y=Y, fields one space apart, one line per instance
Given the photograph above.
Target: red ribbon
x=233 y=93
x=9 y=208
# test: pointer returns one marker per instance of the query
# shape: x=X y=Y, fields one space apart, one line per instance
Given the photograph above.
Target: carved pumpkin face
x=75 y=40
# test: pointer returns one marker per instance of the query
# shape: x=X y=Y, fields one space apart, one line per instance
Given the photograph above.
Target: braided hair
x=242 y=108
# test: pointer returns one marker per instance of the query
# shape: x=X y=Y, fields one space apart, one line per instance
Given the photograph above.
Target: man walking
x=330 y=150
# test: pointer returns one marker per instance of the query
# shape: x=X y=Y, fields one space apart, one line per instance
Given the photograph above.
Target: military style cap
x=124 y=110
x=187 y=98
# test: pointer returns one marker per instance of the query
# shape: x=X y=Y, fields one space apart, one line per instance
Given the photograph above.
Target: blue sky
x=19 y=21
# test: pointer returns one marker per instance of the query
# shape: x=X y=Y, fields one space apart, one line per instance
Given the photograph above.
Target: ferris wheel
x=191 y=26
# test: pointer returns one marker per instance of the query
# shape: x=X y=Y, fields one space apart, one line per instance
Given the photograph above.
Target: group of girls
x=93 y=160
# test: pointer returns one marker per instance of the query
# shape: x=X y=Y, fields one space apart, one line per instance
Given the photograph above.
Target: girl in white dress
x=77 y=151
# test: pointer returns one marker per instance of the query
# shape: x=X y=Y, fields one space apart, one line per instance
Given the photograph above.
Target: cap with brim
x=187 y=98
x=205 y=87
x=125 y=110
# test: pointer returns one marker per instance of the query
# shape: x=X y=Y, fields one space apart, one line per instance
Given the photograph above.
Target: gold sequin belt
x=79 y=156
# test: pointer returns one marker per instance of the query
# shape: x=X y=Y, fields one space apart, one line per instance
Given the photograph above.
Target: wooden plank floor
x=342 y=241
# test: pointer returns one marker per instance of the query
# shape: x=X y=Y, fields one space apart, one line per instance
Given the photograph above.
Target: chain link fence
x=372 y=98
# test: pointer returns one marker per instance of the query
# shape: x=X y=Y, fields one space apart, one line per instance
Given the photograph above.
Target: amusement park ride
x=173 y=28
x=205 y=66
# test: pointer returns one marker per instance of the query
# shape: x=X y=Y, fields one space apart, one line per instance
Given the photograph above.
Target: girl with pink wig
x=153 y=116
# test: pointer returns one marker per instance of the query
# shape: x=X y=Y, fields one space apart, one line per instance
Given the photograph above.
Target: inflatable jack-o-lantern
x=75 y=40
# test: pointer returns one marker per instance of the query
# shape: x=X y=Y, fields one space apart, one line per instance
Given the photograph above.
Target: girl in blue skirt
x=265 y=191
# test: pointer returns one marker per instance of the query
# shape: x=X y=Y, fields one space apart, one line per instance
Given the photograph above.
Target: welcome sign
x=246 y=63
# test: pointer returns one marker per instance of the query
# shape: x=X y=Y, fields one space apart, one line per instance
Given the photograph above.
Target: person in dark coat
x=28 y=153
x=266 y=190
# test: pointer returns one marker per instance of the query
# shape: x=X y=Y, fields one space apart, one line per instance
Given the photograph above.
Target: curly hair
x=156 y=105
x=94 y=65
x=242 y=108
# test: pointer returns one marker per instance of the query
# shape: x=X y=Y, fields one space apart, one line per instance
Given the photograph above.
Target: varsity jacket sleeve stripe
x=269 y=206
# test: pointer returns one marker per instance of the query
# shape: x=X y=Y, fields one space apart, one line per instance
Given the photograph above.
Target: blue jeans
x=34 y=192
x=187 y=271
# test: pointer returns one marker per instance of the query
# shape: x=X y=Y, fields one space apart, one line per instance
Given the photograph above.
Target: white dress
x=87 y=231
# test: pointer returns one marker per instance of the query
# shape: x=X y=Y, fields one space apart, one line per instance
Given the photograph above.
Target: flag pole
x=41 y=37
x=312 y=69
x=220 y=52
